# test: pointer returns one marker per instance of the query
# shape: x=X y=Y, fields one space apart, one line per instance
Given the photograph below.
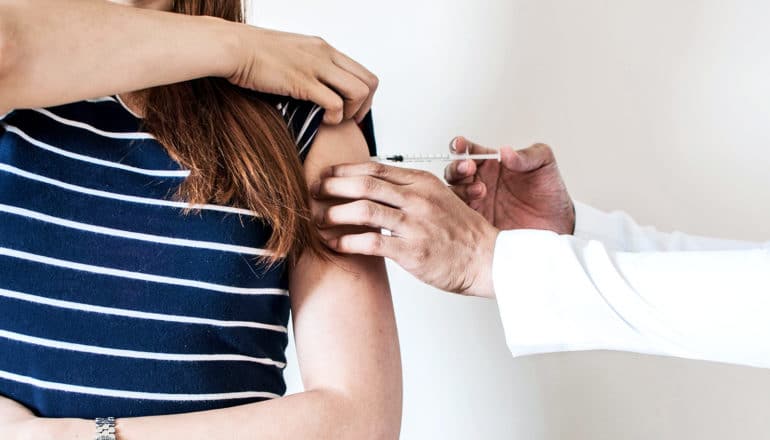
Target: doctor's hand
x=434 y=235
x=524 y=190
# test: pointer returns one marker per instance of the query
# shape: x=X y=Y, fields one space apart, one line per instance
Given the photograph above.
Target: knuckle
x=374 y=242
x=377 y=169
x=545 y=149
x=430 y=178
x=362 y=91
x=372 y=211
x=336 y=106
x=421 y=253
x=370 y=185
x=318 y=41
x=374 y=82
x=401 y=217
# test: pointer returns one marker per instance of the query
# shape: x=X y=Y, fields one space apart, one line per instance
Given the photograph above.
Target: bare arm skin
x=54 y=52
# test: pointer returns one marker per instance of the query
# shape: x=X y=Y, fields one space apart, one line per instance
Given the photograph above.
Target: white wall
x=657 y=107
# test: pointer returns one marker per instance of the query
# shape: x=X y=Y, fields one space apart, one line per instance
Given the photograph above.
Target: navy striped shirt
x=112 y=301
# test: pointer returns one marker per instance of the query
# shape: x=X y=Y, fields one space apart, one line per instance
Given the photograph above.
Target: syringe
x=411 y=158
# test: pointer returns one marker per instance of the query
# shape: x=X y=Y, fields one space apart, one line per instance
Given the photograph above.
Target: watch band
x=105 y=428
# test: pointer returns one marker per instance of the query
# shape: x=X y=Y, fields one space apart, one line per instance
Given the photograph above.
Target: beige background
x=660 y=108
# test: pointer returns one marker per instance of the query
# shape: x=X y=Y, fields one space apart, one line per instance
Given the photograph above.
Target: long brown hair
x=237 y=147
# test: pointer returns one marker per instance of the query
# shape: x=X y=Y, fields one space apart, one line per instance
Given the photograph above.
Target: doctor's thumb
x=528 y=159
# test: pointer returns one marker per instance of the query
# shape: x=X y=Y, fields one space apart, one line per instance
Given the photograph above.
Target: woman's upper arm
x=343 y=315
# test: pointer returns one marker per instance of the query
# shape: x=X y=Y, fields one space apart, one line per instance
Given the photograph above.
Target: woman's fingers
x=351 y=89
x=362 y=73
x=328 y=99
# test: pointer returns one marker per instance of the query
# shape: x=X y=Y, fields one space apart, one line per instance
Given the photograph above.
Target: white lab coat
x=618 y=286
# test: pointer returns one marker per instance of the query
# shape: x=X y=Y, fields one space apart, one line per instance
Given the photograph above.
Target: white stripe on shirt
x=104 y=99
x=132 y=235
x=140 y=276
x=134 y=394
x=83 y=158
x=121 y=197
x=136 y=314
x=137 y=354
x=307 y=123
x=92 y=129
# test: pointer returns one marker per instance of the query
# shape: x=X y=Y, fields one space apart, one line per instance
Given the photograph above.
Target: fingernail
x=333 y=243
x=453 y=145
x=476 y=190
x=314 y=188
x=463 y=167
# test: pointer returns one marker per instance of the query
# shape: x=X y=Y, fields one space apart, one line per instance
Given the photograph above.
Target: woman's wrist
x=226 y=45
x=64 y=429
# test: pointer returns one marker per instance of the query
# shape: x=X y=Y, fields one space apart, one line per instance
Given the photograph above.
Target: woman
x=148 y=240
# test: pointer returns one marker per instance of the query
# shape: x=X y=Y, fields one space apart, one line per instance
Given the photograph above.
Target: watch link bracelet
x=105 y=429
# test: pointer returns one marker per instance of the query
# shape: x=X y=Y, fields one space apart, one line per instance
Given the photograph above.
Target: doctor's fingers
x=529 y=159
x=359 y=188
x=461 y=145
x=464 y=171
x=460 y=172
x=364 y=213
x=470 y=192
x=395 y=175
x=370 y=243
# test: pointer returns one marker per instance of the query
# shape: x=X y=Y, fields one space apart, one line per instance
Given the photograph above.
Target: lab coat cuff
x=593 y=224
x=524 y=274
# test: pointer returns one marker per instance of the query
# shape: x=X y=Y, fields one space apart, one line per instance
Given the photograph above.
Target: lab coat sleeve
x=673 y=295
x=618 y=231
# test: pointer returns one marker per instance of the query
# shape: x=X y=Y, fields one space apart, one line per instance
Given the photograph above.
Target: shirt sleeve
x=564 y=293
x=304 y=120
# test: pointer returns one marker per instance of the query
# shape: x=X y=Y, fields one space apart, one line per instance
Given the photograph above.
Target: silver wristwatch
x=105 y=428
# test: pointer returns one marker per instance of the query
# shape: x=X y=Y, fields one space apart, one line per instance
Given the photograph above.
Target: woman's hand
x=46 y=36
x=305 y=68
